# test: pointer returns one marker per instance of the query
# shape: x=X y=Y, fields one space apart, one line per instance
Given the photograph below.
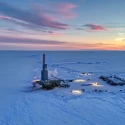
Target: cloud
x=95 y=27
x=121 y=34
x=115 y=29
x=16 y=43
x=96 y=46
x=105 y=44
x=17 y=40
x=16 y=21
x=30 y=17
x=120 y=39
x=79 y=28
x=65 y=9
x=52 y=33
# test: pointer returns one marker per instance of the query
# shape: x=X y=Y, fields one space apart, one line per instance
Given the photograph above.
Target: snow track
x=58 y=106
x=44 y=108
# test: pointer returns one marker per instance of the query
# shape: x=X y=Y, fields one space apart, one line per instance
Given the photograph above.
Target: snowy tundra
x=61 y=106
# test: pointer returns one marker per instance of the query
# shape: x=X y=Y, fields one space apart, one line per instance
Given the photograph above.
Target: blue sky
x=62 y=25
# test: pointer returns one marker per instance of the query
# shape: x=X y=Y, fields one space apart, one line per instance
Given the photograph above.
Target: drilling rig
x=44 y=72
x=47 y=83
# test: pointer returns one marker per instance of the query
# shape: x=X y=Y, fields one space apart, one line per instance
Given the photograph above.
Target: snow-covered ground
x=63 y=106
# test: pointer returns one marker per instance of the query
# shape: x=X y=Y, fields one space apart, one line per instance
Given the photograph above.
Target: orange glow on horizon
x=65 y=46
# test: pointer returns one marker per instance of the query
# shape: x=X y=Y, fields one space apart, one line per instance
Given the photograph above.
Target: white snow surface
x=19 y=106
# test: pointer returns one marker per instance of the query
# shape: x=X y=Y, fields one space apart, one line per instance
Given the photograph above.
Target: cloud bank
x=29 y=17
x=18 y=40
x=95 y=27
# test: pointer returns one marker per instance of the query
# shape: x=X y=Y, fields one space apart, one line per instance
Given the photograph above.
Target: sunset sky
x=62 y=24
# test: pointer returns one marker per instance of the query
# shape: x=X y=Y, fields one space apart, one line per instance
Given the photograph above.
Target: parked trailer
x=113 y=80
x=119 y=78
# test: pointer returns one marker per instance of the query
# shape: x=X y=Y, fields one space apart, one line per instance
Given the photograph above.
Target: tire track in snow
x=11 y=112
x=19 y=110
x=65 y=110
x=27 y=107
x=120 y=101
